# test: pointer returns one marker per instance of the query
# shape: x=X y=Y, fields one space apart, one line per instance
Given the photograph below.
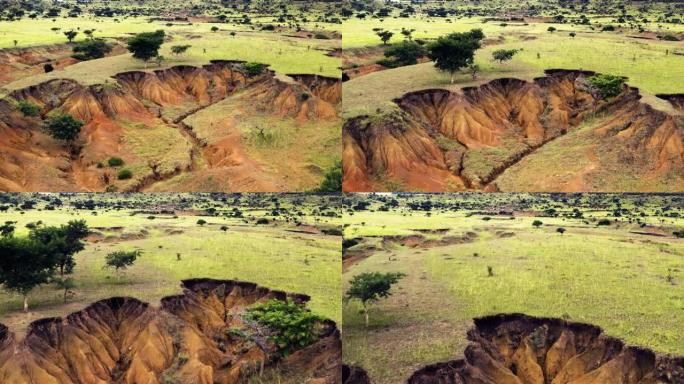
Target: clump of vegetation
x=91 y=49
x=404 y=53
x=120 y=260
x=28 y=109
x=603 y=222
x=503 y=55
x=63 y=127
x=115 y=161
x=371 y=287
x=254 y=69
x=607 y=86
x=124 y=174
x=332 y=181
x=291 y=326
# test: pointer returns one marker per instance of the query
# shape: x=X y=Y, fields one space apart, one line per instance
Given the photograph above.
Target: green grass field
x=613 y=276
x=270 y=255
x=646 y=62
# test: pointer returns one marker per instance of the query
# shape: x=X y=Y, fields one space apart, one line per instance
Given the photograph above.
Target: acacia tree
x=455 y=50
x=24 y=264
x=502 y=55
x=121 y=260
x=371 y=287
x=406 y=52
x=385 y=36
x=70 y=35
x=64 y=241
x=145 y=46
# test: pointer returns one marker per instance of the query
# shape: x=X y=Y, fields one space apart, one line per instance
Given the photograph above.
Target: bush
x=670 y=38
x=292 y=326
x=91 y=49
x=28 y=108
x=321 y=36
x=333 y=179
x=607 y=85
x=254 y=69
x=63 y=127
x=406 y=52
x=124 y=174
x=604 y=222
x=115 y=162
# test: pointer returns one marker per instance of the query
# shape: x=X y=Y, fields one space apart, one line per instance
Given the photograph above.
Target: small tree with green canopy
x=24 y=265
x=455 y=50
x=7 y=229
x=332 y=181
x=70 y=35
x=120 y=260
x=28 y=109
x=385 y=36
x=503 y=55
x=560 y=230
x=537 y=223
x=371 y=287
x=406 y=52
x=179 y=49
x=91 y=49
x=63 y=127
x=145 y=45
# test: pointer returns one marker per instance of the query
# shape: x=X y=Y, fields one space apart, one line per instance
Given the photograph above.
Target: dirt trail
x=200 y=336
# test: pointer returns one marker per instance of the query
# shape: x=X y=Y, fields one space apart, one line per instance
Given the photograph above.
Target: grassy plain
x=275 y=255
x=625 y=277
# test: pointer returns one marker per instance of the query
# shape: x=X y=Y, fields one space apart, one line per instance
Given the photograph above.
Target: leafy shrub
x=604 y=222
x=291 y=325
x=670 y=38
x=124 y=174
x=321 y=36
x=115 y=162
x=332 y=181
x=28 y=108
x=63 y=127
x=607 y=85
x=254 y=69
x=91 y=49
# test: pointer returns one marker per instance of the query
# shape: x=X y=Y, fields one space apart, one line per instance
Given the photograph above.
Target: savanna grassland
x=266 y=72
x=612 y=260
x=475 y=126
x=284 y=242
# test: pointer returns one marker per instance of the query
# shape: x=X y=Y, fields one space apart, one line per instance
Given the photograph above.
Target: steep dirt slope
x=139 y=118
x=199 y=337
x=439 y=140
x=519 y=349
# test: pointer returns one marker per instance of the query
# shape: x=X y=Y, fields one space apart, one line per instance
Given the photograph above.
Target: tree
x=70 y=35
x=224 y=228
x=502 y=55
x=201 y=222
x=145 y=46
x=332 y=181
x=385 y=36
x=214 y=28
x=159 y=59
x=560 y=230
x=371 y=287
x=474 y=69
x=7 y=229
x=406 y=52
x=66 y=284
x=89 y=33
x=573 y=34
x=254 y=69
x=24 y=265
x=537 y=223
x=120 y=260
x=91 y=49
x=63 y=127
x=64 y=242
x=455 y=51
x=179 y=49
x=408 y=33
x=552 y=29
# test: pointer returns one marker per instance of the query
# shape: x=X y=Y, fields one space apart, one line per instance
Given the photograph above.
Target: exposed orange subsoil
x=511 y=114
x=139 y=97
x=519 y=349
x=187 y=339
